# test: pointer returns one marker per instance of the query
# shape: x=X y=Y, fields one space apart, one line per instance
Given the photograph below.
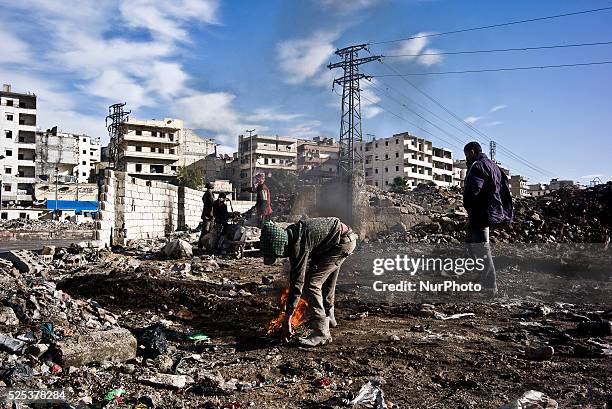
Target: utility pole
x=492 y=150
x=116 y=116
x=350 y=123
x=250 y=131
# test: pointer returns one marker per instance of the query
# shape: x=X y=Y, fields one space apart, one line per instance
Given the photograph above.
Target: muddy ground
x=423 y=362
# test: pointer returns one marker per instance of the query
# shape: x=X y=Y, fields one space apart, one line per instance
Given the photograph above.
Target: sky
x=227 y=66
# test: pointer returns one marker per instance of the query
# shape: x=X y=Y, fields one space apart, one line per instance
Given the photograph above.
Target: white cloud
x=497 y=108
x=14 y=51
x=304 y=58
x=414 y=50
x=347 y=6
x=305 y=129
x=271 y=114
x=369 y=100
x=494 y=123
x=473 y=119
x=593 y=176
x=168 y=18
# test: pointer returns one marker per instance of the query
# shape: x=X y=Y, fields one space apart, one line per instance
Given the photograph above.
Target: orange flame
x=297 y=318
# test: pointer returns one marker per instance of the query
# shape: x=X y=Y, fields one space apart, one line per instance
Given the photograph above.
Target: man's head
x=471 y=150
x=260 y=178
x=222 y=197
x=208 y=185
x=272 y=242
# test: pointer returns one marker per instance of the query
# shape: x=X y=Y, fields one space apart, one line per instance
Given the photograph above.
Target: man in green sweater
x=316 y=249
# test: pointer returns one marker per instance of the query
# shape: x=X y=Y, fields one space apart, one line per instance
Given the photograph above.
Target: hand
x=287 y=330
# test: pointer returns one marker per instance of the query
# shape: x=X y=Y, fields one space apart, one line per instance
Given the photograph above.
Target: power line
x=449 y=134
x=535 y=67
x=409 y=122
x=493 y=26
x=500 y=50
x=474 y=129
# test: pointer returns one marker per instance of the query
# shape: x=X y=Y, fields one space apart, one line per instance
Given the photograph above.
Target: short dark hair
x=473 y=146
x=222 y=195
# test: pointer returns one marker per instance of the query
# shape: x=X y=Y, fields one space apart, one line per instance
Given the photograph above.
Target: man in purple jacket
x=487 y=199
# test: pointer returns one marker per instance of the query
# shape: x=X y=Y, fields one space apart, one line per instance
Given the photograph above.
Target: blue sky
x=227 y=66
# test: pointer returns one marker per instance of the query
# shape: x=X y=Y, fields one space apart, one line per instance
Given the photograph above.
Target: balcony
x=151 y=155
x=132 y=137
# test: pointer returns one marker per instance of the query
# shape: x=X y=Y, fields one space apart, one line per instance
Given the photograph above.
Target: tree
x=190 y=177
x=400 y=184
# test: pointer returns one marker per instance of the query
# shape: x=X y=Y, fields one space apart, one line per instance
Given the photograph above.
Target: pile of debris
x=45 y=225
x=565 y=216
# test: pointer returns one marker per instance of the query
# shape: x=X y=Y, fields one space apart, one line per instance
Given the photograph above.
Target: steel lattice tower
x=350 y=123
x=116 y=116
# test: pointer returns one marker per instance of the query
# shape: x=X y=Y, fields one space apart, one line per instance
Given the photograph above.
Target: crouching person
x=316 y=249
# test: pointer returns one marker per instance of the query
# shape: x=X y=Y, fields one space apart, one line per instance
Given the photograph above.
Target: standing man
x=207 y=213
x=316 y=249
x=488 y=202
x=262 y=201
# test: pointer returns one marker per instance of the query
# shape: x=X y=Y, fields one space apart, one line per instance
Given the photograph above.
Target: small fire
x=297 y=318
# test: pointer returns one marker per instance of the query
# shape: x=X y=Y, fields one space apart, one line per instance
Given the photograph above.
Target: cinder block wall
x=132 y=208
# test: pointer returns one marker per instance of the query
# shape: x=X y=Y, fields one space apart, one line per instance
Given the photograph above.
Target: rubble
x=567 y=215
x=177 y=249
x=532 y=400
x=57 y=226
x=115 y=345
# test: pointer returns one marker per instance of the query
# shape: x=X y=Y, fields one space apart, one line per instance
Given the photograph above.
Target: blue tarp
x=76 y=205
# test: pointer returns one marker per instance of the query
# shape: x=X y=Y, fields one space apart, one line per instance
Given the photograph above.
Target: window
x=84 y=162
x=397 y=141
x=23 y=216
x=84 y=152
x=367 y=174
x=138 y=167
x=9 y=117
x=173 y=168
x=7 y=188
x=375 y=170
x=9 y=102
x=84 y=140
x=20 y=156
x=8 y=134
x=397 y=168
x=84 y=174
x=4 y=216
x=386 y=170
x=376 y=145
x=91 y=153
x=397 y=154
x=138 y=132
x=171 y=151
x=386 y=143
x=153 y=133
x=8 y=170
x=386 y=156
x=138 y=149
x=171 y=136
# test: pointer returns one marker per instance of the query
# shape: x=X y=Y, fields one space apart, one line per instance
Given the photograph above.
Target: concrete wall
x=133 y=208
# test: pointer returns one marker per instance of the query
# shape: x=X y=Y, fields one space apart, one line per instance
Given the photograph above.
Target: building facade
x=518 y=186
x=265 y=154
x=150 y=148
x=317 y=158
x=407 y=156
x=194 y=148
x=72 y=157
x=17 y=147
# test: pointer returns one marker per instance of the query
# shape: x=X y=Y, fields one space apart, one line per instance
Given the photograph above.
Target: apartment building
x=518 y=186
x=317 y=158
x=265 y=153
x=150 y=148
x=17 y=147
x=194 y=148
x=72 y=157
x=407 y=156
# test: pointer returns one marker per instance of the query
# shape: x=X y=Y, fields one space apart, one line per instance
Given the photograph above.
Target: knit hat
x=260 y=178
x=273 y=240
